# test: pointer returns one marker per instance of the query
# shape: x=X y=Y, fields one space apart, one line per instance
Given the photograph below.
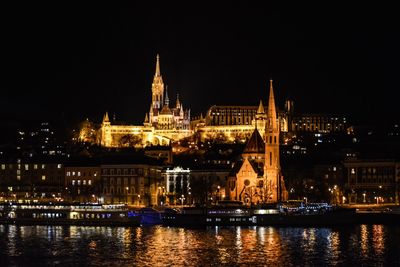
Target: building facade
x=372 y=181
x=319 y=123
x=135 y=184
x=82 y=183
x=32 y=179
x=232 y=123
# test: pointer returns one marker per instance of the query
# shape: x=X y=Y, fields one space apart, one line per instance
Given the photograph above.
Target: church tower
x=106 y=138
x=157 y=87
x=272 y=165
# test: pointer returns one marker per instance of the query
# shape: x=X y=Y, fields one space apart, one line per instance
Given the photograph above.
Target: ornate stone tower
x=272 y=165
x=106 y=138
x=157 y=87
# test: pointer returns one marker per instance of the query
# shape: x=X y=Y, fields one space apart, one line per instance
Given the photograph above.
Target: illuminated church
x=161 y=115
x=256 y=178
x=162 y=123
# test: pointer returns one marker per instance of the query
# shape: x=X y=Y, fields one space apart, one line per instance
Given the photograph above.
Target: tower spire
x=157 y=87
x=158 y=73
x=271 y=107
x=260 y=109
x=105 y=118
x=166 y=102
x=178 y=104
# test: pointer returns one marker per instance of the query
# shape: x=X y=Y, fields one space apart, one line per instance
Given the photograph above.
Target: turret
x=166 y=102
x=260 y=109
x=178 y=104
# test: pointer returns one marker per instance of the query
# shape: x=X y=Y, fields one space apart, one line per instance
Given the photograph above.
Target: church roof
x=258 y=168
x=165 y=110
x=255 y=143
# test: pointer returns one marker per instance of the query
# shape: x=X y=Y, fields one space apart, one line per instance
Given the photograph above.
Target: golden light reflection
x=126 y=236
x=273 y=248
x=333 y=245
x=378 y=238
x=364 y=239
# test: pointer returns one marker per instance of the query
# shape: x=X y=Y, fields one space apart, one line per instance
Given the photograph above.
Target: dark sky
x=73 y=62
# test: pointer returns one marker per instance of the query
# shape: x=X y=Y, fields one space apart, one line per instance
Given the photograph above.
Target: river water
x=361 y=245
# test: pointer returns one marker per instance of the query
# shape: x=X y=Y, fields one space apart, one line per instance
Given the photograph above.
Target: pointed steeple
x=271 y=108
x=146 y=119
x=158 y=73
x=178 y=104
x=260 y=109
x=105 y=117
x=166 y=101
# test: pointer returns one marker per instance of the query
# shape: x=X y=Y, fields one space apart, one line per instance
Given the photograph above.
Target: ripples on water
x=363 y=245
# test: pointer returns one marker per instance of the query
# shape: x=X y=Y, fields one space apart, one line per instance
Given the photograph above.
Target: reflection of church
x=256 y=178
x=162 y=124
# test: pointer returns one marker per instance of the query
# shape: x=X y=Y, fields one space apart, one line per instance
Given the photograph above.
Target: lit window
x=3 y=166
x=95 y=174
x=43 y=177
x=58 y=166
x=35 y=166
x=18 y=172
x=26 y=167
x=84 y=182
x=73 y=173
x=18 y=177
x=79 y=182
x=334 y=168
x=353 y=171
x=43 y=166
x=73 y=182
x=79 y=173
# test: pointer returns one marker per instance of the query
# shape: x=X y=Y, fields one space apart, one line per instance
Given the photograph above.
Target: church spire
x=260 y=109
x=166 y=102
x=105 y=118
x=157 y=87
x=158 y=73
x=271 y=108
x=146 y=119
x=178 y=104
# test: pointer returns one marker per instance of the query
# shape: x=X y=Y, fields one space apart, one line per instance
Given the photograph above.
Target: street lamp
x=364 y=194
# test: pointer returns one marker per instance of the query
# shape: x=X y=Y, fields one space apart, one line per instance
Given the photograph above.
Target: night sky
x=73 y=62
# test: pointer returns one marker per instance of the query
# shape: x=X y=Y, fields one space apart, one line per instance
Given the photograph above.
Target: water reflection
x=214 y=246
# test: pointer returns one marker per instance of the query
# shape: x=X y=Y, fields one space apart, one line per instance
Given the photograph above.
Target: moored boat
x=67 y=214
x=224 y=215
x=149 y=216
